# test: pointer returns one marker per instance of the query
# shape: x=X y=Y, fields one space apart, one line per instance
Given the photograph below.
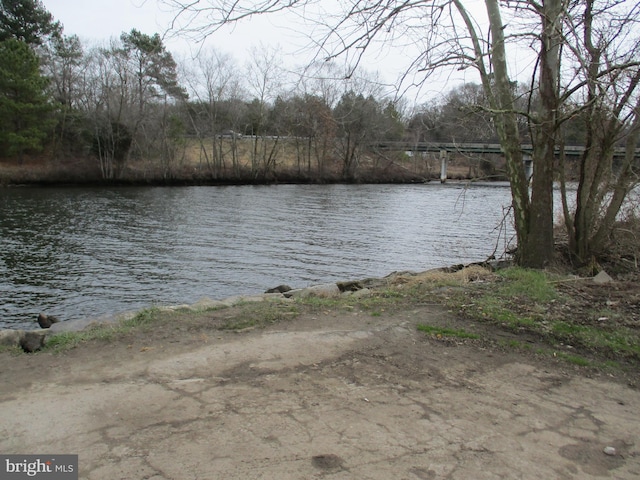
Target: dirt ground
x=335 y=395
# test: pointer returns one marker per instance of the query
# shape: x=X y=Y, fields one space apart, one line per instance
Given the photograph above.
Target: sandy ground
x=325 y=396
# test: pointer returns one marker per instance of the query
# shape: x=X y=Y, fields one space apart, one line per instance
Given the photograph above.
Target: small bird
x=45 y=321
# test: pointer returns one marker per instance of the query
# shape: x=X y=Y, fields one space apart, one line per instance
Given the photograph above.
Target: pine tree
x=24 y=107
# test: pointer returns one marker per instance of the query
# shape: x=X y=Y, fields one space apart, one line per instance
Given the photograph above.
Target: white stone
x=602 y=278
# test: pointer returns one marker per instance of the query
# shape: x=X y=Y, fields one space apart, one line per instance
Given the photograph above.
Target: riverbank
x=387 y=381
x=285 y=168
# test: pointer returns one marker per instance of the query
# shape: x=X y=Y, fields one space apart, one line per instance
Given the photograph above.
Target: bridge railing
x=495 y=148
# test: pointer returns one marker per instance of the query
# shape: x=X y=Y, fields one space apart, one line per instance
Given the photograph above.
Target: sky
x=100 y=20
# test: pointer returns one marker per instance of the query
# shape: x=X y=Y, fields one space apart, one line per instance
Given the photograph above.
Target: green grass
x=260 y=314
x=447 y=332
x=531 y=284
x=574 y=359
x=620 y=340
x=519 y=299
x=67 y=340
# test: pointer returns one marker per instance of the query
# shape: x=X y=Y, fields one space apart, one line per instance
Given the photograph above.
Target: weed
x=67 y=340
x=447 y=332
x=574 y=359
x=260 y=315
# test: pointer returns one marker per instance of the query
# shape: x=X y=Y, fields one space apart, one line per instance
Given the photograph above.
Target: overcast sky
x=102 y=19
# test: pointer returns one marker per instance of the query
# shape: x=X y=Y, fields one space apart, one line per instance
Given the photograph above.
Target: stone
x=279 y=289
x=351 y=286
x=602 y=278
x=611 y=451
x=365 y=292
x=32 y=341
x=326 y=290
x=11 y=338
x=45 y=321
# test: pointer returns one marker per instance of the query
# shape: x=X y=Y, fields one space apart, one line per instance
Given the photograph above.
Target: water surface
x=86 y=252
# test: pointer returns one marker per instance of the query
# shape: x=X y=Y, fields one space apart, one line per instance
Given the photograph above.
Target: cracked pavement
x=320 y=397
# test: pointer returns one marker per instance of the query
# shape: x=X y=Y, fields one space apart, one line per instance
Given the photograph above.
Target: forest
x=129 y=112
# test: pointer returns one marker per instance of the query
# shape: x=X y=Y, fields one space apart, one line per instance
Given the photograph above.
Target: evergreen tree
x=24 y=108
x=27 y=21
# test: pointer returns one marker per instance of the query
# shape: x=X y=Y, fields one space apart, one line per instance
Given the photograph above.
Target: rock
x=11 y=338
x=602 y=278
x=206 y=303
x=327 y=290
x=280 y=289
x=611 y=451
x=32 y=341
x=365 y=292
x=351 y=286
x=45 y=321
x=81 y=324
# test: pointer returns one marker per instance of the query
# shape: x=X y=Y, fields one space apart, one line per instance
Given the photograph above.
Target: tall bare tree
x=214 y=84
x=265 y=78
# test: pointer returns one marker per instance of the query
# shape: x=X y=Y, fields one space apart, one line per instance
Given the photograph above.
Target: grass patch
x=260 y=314
x=11 y=349
x=447 y=332
x=574 y=359
x=521 y=299
x=516 y=299
x=619 y=340
x=534 y=285
x=63 y=341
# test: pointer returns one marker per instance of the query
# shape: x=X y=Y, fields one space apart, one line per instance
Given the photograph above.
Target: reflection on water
x=76 y=252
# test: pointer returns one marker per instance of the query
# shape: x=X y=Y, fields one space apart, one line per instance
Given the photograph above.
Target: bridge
x=445 y=149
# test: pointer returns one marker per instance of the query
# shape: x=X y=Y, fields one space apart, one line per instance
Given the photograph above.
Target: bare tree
x=214 y=86
x=603 y=47
x=264 y=80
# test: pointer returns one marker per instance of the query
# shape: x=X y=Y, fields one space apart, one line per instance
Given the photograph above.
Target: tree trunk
x=501 y=98
x=540 y=246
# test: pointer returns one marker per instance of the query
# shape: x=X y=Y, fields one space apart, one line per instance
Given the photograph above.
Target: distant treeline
x=129 y=112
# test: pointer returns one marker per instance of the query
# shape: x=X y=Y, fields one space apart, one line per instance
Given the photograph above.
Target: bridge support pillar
x=444 y=157
x=528 y=166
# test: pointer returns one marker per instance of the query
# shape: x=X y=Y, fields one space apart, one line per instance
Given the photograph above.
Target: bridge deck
x=569 y=150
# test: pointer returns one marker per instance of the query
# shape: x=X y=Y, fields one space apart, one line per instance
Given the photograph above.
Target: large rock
x=81 y=324
x=11 y=338
x=45 y=321
x=602 y=278
x=32 y=341
x=350 y=286
x=326 y=290
x=279 y=289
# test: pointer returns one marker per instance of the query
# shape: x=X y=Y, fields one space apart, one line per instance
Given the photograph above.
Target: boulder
x=279 y=289
x=365 y=292
x=327 y=290
x=32 y=341
x=350 y=286
x=45 y=321
x=11 y=338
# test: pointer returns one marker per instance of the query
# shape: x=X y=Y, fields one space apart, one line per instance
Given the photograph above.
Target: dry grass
x=473 y=273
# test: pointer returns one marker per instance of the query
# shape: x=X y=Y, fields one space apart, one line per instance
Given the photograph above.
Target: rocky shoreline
x=33 y=340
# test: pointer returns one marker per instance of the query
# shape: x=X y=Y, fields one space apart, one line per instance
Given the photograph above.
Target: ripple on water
x=83 y=252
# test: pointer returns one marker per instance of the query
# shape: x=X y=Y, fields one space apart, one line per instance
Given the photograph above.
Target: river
x=86 y=252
